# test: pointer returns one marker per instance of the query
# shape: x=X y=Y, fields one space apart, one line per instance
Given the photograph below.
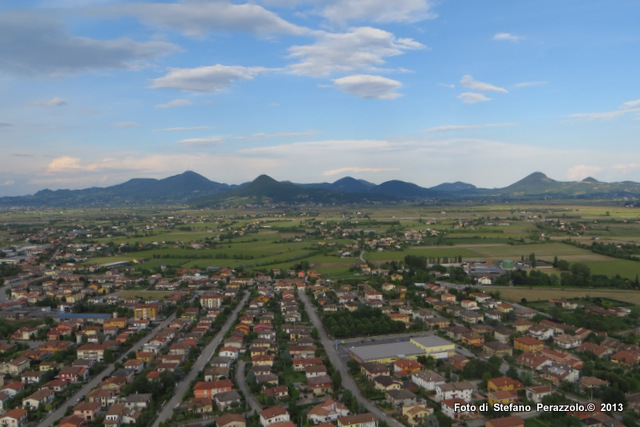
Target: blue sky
x=315 y=90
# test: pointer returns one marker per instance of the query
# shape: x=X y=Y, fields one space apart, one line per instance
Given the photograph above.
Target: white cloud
x=383 y=11
x=357 y=169
x=473 y=98
x=202 y=142
x=46 y=48
x=53 y=102
x=369 y=87
x=629 y=107
x=198 y=18
x=362 y=48
x=506 y=37
x=470 y=83
x=607 y=115
x=631 y=104
x=447 y=128
x=626 y=167
x=125 y=124
x=8 y=183
x=214 y=78
x=261 y=135
x=580 y=172
x=528 y=84
x=449 y=85
x=182 y=129
x=65 y=164
x=175 y=103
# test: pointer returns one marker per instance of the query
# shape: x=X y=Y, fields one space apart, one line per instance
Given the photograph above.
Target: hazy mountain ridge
x=190 y=188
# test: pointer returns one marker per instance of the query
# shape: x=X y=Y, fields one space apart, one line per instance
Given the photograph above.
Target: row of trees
x=363 y=321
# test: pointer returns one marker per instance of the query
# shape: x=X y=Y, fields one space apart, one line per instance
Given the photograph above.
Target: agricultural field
x=516 y=294
x=334 y=240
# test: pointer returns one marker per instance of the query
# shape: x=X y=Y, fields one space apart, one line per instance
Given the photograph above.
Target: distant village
x=88 y=345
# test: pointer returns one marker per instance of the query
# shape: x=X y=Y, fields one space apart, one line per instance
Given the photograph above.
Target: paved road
x=199 y=364
x=254 y=405
x=93 y=383
x=347 y=381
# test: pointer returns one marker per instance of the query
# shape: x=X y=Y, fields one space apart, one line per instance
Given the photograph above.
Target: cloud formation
x=199 y=18
x=580 y=172
x=470 y=83
x=47 y=49
x=213 y=78
x=125 y=125
x=362 y=48
x=357 y=169
x=382 y=11
x=369 y=87
x=175 y=103
x=53 y=102
x=506 y=37
x=473 y=98
x=202 y=142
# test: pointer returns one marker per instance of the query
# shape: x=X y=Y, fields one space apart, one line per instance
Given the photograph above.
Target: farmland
x=335 y=240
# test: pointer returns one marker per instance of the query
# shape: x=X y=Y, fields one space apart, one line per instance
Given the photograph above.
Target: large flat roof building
x=430 y=345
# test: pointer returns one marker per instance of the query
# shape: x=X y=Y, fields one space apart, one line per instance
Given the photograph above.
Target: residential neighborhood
x=106 y=345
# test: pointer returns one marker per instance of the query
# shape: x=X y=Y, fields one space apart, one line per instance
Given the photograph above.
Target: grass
x=144 y=294
x=544 y=294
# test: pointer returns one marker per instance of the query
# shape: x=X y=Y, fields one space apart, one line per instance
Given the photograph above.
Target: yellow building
x=147 y=311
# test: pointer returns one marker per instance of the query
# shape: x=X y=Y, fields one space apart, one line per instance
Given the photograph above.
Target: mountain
x=345 y=185
x=135 y=192
x=454 y=187
x=401 y=190
x=266 y=190
x=190 y=188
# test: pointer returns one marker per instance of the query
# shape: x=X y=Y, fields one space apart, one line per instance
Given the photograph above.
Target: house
x=566 y=341
x=504 y=384
x=360 y=420
x=209 y=389
x=510 y=421
x=72 y=421
x=427 y=379
x=16 y=366
x=533 y=361
x=536 y=393
x=226 y=399
x=401 y=397
x=320 y=385
x=455 y=390
x=528 y=344
x=386 y=382
x=41 y=397
x=406 y=367
x=87 y=410
x=13 y=388
x=273 y=415
x=456 y=408
x=373 y=369
x=328 y=411
x=277 y=392
x=496 y=348
x=16 y=417
x=138 y=401
x=199 y=405
x=73 y=374
x=415 y=414
x=231 y=420
x=504 y=397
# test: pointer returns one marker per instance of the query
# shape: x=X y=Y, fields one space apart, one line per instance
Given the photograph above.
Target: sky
x=94 y=93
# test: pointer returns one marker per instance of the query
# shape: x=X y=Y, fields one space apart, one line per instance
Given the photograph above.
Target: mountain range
x=192 y=189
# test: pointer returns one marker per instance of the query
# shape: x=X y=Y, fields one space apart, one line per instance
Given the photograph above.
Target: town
x=186 y=320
